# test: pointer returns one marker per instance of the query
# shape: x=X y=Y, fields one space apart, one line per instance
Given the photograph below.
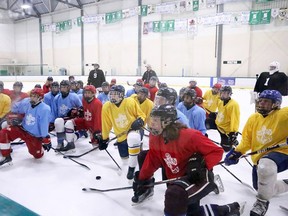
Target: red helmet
x=217 y=86
x=37 y=91
x=90 y=88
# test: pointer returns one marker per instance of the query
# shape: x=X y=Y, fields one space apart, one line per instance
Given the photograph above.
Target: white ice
x=52 y=185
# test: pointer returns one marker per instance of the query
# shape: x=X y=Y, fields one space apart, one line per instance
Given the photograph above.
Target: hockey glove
x=196 y=169
x=46 y=143
x=232 y=139
x=140 y=187
x=137 y=124
x=51 y=127
x=14 y=119
x=96 y=137
x=103 y=144
x=212 y=115
x=232 y=157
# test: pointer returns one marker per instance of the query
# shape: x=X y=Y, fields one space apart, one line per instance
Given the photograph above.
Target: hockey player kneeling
x=33 y=129
x=185 y=154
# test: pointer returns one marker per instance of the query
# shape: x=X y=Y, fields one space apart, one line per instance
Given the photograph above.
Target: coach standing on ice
x=96 y=77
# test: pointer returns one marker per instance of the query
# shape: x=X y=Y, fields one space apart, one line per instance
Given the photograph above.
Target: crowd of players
x=178 y=140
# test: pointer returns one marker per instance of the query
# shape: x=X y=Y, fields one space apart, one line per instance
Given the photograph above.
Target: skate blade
x=219 y=183
x=143 y=202
x=6 y=164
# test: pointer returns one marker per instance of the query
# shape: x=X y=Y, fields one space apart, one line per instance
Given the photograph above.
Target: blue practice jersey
x=36 y=120
x=103 y=97
x=130 y=92
x=21 y=106
x=196 y=116
x=49 y=98
x=62 y=106
x=182 y=118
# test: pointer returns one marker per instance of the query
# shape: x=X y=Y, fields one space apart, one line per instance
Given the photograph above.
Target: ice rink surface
x=52 y=185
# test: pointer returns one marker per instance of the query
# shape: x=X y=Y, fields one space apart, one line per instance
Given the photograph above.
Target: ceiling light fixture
x=26 y=4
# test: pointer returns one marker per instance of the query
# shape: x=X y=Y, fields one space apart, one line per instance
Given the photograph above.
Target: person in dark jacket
x=148 y=74
x=96 y=77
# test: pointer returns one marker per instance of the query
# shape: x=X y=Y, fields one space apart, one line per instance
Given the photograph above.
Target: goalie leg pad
x=176 y=200
x=69 y=131
x=133 y=141
x=267 y=178
x=59 y=125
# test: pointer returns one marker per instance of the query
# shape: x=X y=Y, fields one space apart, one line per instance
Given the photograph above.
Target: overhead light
x=26 y=4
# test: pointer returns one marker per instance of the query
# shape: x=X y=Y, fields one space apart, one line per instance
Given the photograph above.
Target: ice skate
x=69 y=148
x=260 y=207
x=6 y=160
x=130 y=173
x=147 y=195
x=219 y=184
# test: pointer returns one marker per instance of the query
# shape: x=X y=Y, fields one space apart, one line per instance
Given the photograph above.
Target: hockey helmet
x=226 y=89
x=144 y=90
x=190 y=92
x=17 y=83
x=65 y=83
x=274 y=95
x=274 y=66
x=37 y=91
x=55 y=84
x=165 y=95
x=90 y=88
x=161 y=117
x=116 y=94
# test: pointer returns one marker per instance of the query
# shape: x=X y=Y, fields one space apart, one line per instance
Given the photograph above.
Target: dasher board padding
x=9 y=207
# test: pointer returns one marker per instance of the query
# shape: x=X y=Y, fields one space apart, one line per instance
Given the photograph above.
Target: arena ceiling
x=14 y=10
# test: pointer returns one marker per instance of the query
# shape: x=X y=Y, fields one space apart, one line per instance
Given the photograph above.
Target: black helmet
x=169 y=93
x=144 y=90
x=20 y=84
x=64 y=83
x=190 y=92
x=166 y=112
x=55 y=83
x=118 y=88
x=105 y=84
x=226 y=89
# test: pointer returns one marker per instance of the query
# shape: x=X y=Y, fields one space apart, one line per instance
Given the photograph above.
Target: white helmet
x=274 y=66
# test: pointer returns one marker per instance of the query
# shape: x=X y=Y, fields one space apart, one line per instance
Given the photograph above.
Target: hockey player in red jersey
x=184 y=153
x=91 y=121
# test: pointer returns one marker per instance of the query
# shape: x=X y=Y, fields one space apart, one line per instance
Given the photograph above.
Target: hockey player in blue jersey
x=66 y=106
x=33 y=129
x=49 y=97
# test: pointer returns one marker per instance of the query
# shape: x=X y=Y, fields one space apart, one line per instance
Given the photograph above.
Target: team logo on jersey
x=63 y=109
x=220 y=117
x=171 y=163
x=121 y=121
x=264 y=135
x=88 y=116
x=210 y=102
x=30 y=119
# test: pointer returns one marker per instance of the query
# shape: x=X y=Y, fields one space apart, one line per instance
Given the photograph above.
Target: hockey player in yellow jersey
x=266 y=128
x=5 y=105
x=145 y=104
x=228 y=119
x=123 y=115
x=211 y=99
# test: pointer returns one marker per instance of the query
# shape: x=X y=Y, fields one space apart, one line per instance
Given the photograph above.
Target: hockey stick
x=235 y=146
x=19 y=142
x=130 y=187
x=247 y=185
x=113 y=159
x=83 y=165
x=261 y=151
x=93 y=149
x=128 y=83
